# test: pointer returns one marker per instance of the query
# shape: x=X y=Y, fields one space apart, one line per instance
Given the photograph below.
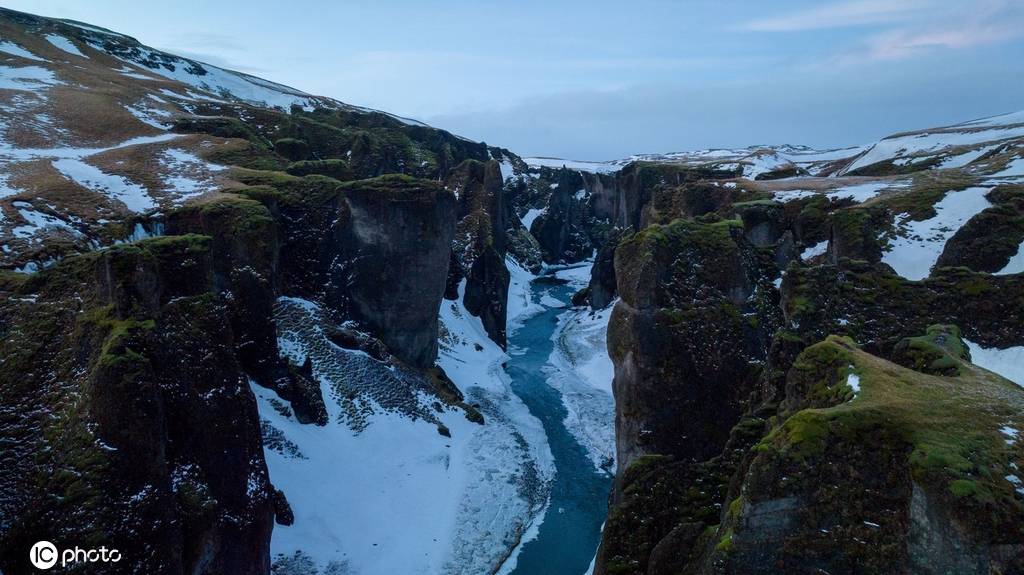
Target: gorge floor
x=568 y=536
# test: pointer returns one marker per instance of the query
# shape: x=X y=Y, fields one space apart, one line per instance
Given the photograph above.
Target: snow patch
x=13 y=49
x=64 y=44
x=28 y=78
x=531 y=215
x=581 y=370
x=918 y=244
x=814 y=251
x=1016 y=263
x=120 y=188
x=188 y=174
x=583 y=166
x=853 y=381
x=1008 y=362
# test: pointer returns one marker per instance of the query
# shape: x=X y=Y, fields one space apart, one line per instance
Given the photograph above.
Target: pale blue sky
x=602 y=80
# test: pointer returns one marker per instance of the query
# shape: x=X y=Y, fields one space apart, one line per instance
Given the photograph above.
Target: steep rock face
x=375 y=251
x=701 y=291
x=481 y=243
x=399 y=239
x=602 y=288
x=133 y=421
x=562 y=230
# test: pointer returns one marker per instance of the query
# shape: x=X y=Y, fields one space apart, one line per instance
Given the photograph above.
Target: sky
x=600 y=80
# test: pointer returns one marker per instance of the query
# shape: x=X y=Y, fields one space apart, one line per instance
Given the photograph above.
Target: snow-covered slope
x=378 y=489
x=949 y=147
x=86 y=116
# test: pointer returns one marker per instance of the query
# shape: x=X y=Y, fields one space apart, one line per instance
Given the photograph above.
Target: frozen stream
x=571 y=529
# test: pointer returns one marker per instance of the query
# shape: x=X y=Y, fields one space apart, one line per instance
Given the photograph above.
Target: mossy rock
x=333 y=168
x=829 y=473
x=292 y=148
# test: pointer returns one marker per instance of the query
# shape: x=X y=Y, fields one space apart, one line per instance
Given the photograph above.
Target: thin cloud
x=838 y=15
x=985 y=23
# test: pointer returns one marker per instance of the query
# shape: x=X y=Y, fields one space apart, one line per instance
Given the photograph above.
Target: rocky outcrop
x=129 y=416
x=562 y=230
x=703 y=292
x=396 y=250
x=866 y=471
x=709 y=377
x=988 y=240
x=602 y=288
x=374 y=251
x=485 y=219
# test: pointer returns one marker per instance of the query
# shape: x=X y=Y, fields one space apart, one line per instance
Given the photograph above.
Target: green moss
x=292 y=148
x=337 y=169
x=221 y=126
x=946 y=427
x=724 y=544
x=963 y=488
x=940 y=351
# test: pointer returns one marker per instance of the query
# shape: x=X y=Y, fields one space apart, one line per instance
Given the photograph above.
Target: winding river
x=571 y=529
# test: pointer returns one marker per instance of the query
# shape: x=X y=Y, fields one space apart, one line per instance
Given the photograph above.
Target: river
x=571 y=529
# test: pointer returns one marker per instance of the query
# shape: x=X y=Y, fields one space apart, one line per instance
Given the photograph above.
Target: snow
x=64 y=44
x=120 y=188
x=1001 y=120
x=1010 y=433
x=37 y=221
x=860 y=193
x=13 y=49
x=1008 y=362
x=189 y=175
x=7 y=152
x=577 y=275
x=520 y=303
x=70 y=163
x=1018 y=485
x=1014 y=169
x=925 y=143
x=760 y=162
x=853 y=380
x=791 y=195
x=152 y=116
x=531 y=215
x=29 y=78
x=1016 y=263
x=918 y=244
x=581 y=165
x=393 y=495
x=815 y=250
x=581 y=370
x=218 y=81
x=507 y=171
x=6 y=190
x=962 y=159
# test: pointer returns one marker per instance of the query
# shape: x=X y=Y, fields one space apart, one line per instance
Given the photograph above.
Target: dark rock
x=581 y=297
x=602 y=275
x=397 y=247
x=283 y=514
x=159 y=453
x=686 y=287
x=481 y=244
x=988 y=240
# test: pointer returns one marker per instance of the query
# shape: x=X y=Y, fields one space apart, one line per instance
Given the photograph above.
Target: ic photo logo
x=45 y=555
